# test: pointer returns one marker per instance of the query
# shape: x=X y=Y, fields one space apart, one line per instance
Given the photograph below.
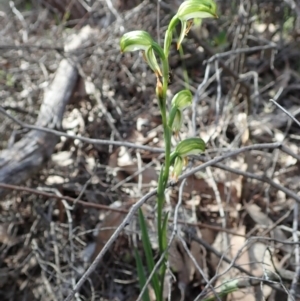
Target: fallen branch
x=27 y=156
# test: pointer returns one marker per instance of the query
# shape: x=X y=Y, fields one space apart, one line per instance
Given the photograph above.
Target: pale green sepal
x=168 y=42
x=180 y=101
x=183 y=32
x=172 y=116
x=178 y=166
x=177 y=123
x=169 y=35
x=152 y=62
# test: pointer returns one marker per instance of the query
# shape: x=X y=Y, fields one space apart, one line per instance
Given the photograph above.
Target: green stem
x=167 y=130
x=160 y=202
x=164 y=175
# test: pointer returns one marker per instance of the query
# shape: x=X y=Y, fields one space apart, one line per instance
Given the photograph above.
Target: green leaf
x=141 y=275
x=164 y=231
x=148 y=252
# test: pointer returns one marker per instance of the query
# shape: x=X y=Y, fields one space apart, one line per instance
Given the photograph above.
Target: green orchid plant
x=157 y=59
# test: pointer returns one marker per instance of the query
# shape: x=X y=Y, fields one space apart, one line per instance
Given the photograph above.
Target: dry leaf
x=201 y=186
x=199 y=253
x=242 y=125
x=261 y=218
x=235 y=243
x=6 y=237
x=180 y=263
x=261 y=260
x=126 y=166
x=110 y=223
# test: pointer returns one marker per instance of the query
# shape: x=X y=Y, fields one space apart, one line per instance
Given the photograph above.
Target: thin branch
x=232 y=262
x=237 y=152
x=84 y=139
x=57 y=197
x=261 y=178
x=111 y=240
x=105 y=207
x=240 y=50
x=285 y=111
x=294 y=286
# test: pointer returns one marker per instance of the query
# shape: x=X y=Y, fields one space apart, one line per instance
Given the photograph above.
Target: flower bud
x=182 y=99
x=159 y=89
x=136 y=40
x=191 y=9
x=189 y=146
x=201 y=9
x=141 y=40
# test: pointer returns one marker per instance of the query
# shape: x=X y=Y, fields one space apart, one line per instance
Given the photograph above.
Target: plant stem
x=164 y=174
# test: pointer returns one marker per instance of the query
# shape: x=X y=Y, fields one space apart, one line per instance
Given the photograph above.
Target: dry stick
x=137 y=205
x=209 y=162
x=105 y=207
x=286 y=242
x=196 y=99
x=295 y=281
x=217 y=56
x=136 y=173
x=285 y=111
x=213 y=184
x=78 y=50
x=84 y=139
x=213 y=162
x=261 y=178
x=159 y=150
x=294 y=286
x=209 y=283
x=274 y=225
x=108 y=208
x=27 y=156
x=106 y=247
x=152 y=149
x=223 y=65
x=253 y=281
x=218 y=159
x=54 y=196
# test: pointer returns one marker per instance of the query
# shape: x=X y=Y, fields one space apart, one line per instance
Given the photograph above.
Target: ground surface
x=242 y=207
